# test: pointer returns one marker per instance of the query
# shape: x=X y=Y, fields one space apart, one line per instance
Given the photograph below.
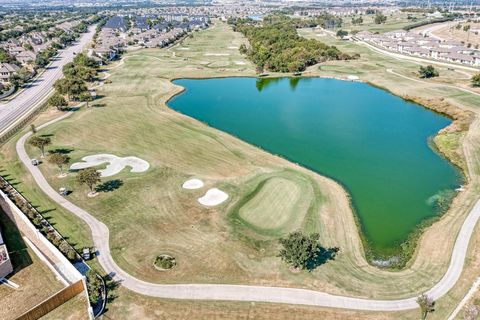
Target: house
x=396 y=34
x=476 y=60
x=5 y=263
x=460 y=58
x=6 y=70
x=26 y=57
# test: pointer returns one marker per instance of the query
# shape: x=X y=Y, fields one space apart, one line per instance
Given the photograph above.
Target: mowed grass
x=150 y=213
x=273 y=205
x=276 y=204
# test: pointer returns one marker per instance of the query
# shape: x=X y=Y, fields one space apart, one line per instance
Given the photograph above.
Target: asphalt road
x=39 y=90
x=100 y=234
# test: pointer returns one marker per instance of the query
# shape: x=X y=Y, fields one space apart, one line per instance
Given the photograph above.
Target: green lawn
x=151 y=213
x=276 y=204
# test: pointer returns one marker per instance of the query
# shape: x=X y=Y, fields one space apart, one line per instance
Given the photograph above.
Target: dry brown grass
x=163 y=216
x=36 y=284
x=450 y=32
x=74 y=309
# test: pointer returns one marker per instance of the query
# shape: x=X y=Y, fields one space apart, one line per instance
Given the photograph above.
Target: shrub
x=165 y=262
x=428 y=72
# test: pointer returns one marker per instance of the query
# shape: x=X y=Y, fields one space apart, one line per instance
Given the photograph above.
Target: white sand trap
x=240 y=63
x=115 y=164
x=217 y=54
x=183 y=48
x=213 y=197
x=232 y=47
x=193 y=184
x=351 y=77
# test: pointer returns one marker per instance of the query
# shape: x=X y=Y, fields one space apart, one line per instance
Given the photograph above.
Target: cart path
x=228 y=292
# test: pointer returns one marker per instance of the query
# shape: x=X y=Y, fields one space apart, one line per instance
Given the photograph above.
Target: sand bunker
x=217 y=54
x=213 y=197
x=193 y=184
x=232 y=47
x=183 y=48
x=351 y=77
x=240 y=63
x=115 y=164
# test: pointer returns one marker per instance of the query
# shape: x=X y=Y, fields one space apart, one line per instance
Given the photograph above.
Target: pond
x=372 y=142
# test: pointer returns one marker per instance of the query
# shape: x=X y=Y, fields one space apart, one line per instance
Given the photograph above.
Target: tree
x=426 y=305
x=274 y=45
x=7 y=57
x=93 y=286
x=40 y=143
x=304 y=251
x=358 y=20
x=85 y=96
x=57 y=101
x=476 y=80
x=380 y=18
x=33 y=129
x=72 y=87
x=342 y=33
x=59 y=160
x=28 y=46
x=90 y=177
x=428 y=72
x=20 y=78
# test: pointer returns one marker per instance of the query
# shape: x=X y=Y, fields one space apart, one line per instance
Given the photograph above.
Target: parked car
x=86 y=253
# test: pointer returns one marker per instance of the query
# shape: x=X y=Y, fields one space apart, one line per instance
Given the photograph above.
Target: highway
x=35 y=94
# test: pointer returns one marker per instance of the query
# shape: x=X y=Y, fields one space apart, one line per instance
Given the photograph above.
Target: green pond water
x=372 y=142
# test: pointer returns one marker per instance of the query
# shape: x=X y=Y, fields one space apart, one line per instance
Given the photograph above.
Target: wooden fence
x=54 y=301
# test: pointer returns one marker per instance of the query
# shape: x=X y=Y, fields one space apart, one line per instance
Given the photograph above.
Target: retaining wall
x=56 y=259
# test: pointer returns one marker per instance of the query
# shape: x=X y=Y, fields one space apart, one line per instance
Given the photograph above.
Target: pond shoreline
x=404 y=257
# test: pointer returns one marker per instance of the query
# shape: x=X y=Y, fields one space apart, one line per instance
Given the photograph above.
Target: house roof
x=8 y=67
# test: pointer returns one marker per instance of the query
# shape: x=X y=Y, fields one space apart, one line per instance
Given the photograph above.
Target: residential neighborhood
x=134 y=31
x=23 y=53
x=414 y=44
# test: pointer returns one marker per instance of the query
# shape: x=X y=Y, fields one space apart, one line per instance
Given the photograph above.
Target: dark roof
x=116 y=22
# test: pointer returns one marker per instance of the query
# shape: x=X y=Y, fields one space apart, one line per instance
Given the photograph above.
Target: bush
x=71 y=255
x=428 y=72
x=93 y=286
x=476 y=80
x=165 y=262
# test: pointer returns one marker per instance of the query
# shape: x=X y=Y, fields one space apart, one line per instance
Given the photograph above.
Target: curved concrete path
x=433 y=83
x=100 y=235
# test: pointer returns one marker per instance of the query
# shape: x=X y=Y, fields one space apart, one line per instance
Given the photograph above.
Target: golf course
x=149 y=213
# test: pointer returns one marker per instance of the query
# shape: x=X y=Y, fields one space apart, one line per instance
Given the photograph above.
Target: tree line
x=276 y=46
x=73 y=86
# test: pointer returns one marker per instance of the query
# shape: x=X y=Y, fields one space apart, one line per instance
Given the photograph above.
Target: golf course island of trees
x=275 y=45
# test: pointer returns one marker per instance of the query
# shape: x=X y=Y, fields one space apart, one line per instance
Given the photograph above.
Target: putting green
x=276 y=204
x=271 y=207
